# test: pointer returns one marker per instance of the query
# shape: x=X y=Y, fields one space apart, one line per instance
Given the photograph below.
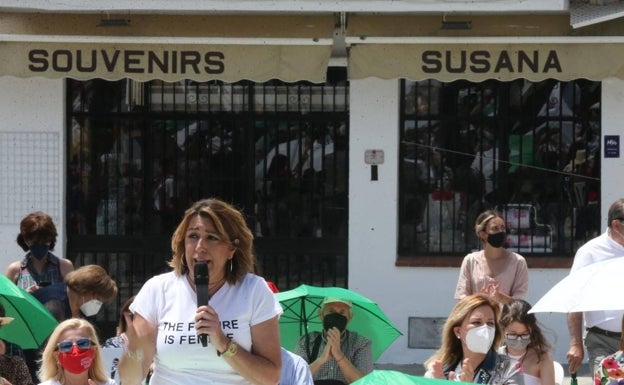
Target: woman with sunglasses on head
x=524 y=342
x=72 y=356
x=494 y=270
x=239 y=318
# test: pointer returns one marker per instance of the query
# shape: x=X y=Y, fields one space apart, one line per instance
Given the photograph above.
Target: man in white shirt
x=603 y=327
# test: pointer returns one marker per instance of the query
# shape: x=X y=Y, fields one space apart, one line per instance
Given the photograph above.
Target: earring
x=231 y=266
x=458 y=337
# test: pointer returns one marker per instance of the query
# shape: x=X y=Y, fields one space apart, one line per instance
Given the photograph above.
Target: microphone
x=201 y=286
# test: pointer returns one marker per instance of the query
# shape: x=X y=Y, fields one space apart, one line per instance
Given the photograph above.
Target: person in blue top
x=37 y=269
x=295 y=370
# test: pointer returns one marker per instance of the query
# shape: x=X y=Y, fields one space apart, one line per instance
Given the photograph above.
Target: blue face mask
x=39 y=251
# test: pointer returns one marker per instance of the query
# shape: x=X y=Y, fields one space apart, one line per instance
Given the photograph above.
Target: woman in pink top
x=493 y=270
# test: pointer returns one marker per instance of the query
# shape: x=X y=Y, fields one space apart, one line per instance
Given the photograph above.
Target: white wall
x=38 y=105
x=403 y=292
x=612 y=124
x=32 y=105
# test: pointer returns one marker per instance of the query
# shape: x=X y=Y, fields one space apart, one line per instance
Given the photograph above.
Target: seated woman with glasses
x=524 y=342
x=72 y=356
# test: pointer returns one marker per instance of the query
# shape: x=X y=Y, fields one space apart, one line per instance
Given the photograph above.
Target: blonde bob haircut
x=50 y=370
x=230 y=225
x=450 y=353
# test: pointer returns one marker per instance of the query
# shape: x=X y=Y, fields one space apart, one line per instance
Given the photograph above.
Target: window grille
x=467 y=147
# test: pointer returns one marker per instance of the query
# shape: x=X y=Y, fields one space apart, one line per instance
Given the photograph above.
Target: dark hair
x=517 y=310
x=123 y=325
x=616 y=211
x=37 y=227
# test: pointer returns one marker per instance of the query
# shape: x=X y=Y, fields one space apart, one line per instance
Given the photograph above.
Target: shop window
x=140 y=153
x=529 y=150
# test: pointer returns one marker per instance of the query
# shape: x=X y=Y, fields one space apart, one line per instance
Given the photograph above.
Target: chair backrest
x=519 y=216
x=559 y=374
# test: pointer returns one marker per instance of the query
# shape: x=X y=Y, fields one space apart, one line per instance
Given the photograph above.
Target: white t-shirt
x=599 y=249
x=169 y=301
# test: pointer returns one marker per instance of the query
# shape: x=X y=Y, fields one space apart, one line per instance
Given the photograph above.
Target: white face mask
x=91 y=308
x=479 y=340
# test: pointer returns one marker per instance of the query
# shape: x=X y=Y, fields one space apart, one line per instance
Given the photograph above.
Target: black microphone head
x=201 y=273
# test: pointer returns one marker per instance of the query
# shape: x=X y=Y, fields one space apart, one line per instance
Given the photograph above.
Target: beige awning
x=480 y=47
x=479 y=59
x=166 y=47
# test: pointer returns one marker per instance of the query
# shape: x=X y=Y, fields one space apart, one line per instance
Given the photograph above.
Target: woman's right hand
x=467 y=373
x=436 y=370
x=207 y=322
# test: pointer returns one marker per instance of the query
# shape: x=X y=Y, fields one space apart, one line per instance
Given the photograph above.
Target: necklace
x=214 y=287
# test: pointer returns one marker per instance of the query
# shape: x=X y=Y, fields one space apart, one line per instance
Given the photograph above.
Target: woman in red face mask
x=72 y=356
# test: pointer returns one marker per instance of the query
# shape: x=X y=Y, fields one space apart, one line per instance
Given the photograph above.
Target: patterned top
x=51 y=272
x=495 y=369
x=15 y=370
x=355 y=347
x=610 y=370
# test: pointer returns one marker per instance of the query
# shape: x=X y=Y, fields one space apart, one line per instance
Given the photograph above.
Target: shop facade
x=118 y=151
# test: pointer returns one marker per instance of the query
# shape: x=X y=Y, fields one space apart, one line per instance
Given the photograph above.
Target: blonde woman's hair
x=50 y=370
x=230 y=225
x=483 y=219
x=450 y=352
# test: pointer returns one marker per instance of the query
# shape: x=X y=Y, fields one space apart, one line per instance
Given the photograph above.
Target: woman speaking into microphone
x=240 y=320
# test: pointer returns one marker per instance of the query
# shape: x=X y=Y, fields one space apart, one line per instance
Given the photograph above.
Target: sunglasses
x=518 y=336
x=83 y=344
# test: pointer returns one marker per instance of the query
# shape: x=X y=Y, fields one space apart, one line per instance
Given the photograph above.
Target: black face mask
x=335 y=320
x=498 y=239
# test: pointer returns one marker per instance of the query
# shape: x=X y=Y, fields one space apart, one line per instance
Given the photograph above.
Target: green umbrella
x=377 y=377
x=32 y=323
x=300 y=316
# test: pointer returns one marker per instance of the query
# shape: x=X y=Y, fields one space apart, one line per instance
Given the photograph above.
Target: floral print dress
x=611 y=370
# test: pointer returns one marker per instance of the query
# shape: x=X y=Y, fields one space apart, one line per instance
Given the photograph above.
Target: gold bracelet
x=230 y=349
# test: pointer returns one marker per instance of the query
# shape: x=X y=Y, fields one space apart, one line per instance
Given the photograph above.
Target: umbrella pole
x=304 y=325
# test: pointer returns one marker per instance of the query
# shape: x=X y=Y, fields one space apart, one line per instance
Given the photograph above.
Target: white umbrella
x=590 y=288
